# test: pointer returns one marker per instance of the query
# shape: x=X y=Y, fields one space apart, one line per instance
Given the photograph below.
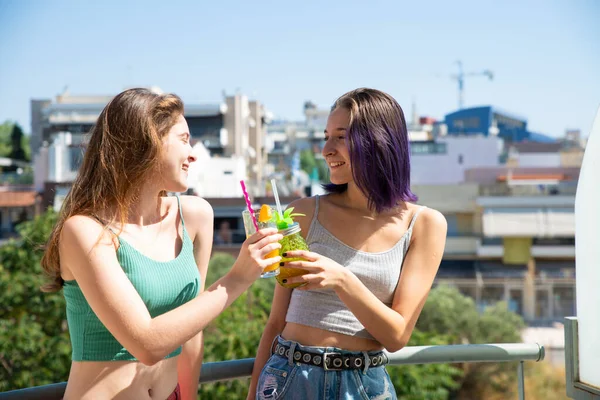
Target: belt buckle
x=333 y=367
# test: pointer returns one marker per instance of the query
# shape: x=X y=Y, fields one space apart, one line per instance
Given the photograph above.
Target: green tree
x=448 y=312
x=5 y=143
x=34 y=341
x=426 y=381
x=308 y=163
x=13 y=142
x=323 y=170
x=25 y=143
x=497 y=324
x=17 y=150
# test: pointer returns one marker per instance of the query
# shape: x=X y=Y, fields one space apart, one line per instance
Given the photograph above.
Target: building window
x=452 y=223
x=505 y=122
x=428 y=148
x=460 y=159
x=466 y=123
x=207 y=129
x=564 y=301
x=542 y=305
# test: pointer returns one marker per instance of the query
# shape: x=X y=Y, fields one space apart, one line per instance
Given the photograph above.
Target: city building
x=445 y=159
x=491 y=121
x=18 y=203
x=288 y=138
x=510 y=238
x=216 y=176
x=534 y=275
x=233 y=129
x=535 y=154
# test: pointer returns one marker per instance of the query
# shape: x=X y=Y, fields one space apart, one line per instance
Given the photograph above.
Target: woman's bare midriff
x=101 y=380
x=310 y=336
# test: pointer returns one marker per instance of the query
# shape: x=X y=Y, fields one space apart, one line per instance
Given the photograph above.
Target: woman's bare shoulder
x=305 y=206
x=82 y=227
x=82 y=235
x=196 y=206
x=428 y=220
x=198 y=216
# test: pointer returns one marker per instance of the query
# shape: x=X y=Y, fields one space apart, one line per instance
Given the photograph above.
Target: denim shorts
x=282 y=378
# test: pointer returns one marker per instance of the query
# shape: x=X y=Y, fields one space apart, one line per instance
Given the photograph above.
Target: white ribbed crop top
x=379 y=272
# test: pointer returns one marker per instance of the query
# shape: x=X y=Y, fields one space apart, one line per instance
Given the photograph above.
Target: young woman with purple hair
x=370 y=268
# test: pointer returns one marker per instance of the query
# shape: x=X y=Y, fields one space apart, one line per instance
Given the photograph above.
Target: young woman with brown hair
x=132 y=261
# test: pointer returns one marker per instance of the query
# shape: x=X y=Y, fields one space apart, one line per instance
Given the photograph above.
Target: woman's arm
x=199 y=216
x=275 y=325
x=393 y=326
x=119 y=307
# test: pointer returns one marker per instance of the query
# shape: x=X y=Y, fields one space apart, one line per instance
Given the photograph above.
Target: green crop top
x=162 y=286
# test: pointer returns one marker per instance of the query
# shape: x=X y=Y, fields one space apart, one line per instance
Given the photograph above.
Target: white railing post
x=521 y=378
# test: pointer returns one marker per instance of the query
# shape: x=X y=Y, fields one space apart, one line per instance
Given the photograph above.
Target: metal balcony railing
x=232 y=369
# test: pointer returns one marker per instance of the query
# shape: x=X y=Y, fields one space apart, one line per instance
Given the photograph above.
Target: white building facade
x=445 y=160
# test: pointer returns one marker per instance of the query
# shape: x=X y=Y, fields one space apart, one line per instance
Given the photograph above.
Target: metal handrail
x=242 y=368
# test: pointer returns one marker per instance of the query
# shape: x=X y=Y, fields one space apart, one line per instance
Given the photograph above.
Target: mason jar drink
x=264 y=220
x=292 y=240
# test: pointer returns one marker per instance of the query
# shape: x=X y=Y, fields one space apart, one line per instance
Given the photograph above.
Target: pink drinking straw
x=248 y=204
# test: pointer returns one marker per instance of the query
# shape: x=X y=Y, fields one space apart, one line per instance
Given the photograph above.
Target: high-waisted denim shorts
x=284 y=378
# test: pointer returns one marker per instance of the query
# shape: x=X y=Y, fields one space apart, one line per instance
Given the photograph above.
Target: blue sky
x=545 y=54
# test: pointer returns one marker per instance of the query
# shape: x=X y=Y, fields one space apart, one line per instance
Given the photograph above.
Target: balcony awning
x=529 y=222
x=532 y=177
x=12 y=199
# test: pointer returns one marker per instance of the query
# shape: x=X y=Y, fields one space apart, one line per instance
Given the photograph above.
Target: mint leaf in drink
x=285 y=221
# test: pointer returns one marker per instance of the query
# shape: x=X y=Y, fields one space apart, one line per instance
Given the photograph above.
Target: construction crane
x=460 y=78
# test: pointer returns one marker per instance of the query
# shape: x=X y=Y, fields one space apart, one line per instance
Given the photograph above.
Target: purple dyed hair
x=378 y=147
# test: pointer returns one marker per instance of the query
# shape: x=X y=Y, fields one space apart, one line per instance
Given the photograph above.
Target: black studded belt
x=331 y=360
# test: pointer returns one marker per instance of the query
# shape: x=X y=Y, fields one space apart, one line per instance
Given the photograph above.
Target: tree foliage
x=13 y=142
x=34 y=341
x=235 y=334
x=448 y=312
x=308 y=163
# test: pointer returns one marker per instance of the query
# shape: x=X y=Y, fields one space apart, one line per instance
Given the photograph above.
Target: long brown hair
x=123 y=151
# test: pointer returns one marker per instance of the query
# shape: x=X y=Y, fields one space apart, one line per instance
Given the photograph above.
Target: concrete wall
x=539 y=160
x=459 y=198
x=462 y=153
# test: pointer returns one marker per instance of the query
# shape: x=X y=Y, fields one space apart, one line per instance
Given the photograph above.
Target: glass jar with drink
x=264 y=220
x=269 y=217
